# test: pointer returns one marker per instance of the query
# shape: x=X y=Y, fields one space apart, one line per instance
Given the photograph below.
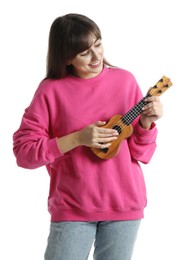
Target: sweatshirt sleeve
x=33 y=143
x=142 y=143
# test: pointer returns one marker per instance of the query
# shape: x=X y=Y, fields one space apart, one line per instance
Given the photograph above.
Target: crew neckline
x=85 y=81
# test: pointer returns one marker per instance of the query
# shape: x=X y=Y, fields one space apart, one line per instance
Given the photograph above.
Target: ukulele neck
x=132 y=114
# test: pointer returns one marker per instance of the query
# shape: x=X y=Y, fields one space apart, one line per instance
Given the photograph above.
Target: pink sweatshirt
x=84 y=187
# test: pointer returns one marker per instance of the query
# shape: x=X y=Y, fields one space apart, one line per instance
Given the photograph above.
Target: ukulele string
x=134 y=112
x=126 y=120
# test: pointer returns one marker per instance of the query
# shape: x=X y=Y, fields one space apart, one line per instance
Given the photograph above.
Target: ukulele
x=123 y=123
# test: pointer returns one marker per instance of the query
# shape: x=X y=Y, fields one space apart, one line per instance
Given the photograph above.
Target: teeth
x=95 y=64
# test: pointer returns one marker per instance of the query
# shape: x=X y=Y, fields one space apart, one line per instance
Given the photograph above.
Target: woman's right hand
x=96 y=136
x=91 y=136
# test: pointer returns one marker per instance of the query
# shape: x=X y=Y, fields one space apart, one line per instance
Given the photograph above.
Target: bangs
x=82 y=41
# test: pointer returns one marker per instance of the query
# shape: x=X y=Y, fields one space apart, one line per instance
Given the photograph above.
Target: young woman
x=90 y=199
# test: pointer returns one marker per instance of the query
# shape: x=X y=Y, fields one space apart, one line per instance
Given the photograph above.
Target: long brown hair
x=69 y=35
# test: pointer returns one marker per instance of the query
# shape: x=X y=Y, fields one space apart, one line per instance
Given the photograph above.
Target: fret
x=132 y=114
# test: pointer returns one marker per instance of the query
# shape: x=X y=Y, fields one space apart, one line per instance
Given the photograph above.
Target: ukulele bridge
x=105 y=150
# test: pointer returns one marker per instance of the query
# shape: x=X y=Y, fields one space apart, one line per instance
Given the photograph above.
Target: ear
x=69 y=62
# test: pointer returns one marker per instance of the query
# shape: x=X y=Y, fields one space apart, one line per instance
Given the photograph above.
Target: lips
x=95 y=65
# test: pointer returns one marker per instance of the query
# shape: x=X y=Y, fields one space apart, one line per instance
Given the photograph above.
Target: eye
x=98 y=45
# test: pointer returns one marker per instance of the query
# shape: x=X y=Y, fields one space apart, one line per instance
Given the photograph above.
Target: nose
x=94 y=55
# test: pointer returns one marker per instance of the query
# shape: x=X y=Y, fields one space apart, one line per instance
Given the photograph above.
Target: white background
x=150 y=39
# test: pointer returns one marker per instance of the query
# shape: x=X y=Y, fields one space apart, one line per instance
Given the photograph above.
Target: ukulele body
x=124 y=131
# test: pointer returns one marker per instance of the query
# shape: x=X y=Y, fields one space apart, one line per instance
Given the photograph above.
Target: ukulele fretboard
x=132 y=114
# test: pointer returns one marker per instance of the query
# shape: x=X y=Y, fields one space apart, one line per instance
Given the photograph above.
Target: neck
x=132 y=114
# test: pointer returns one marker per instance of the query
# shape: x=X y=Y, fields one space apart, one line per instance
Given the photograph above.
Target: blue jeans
x=114 y=240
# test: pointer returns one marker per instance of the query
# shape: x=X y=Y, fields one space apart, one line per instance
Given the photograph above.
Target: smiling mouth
x=95 y=65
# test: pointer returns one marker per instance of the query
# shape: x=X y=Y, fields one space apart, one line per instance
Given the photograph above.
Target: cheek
x=85 y=62
x=79 y=63
x=102 y=51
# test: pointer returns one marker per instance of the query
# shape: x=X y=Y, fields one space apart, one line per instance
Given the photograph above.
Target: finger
x=106 y=139
x=107 y=131
x=153 y=104
x=101 y=145
x=100 y=123
x=103 y=142
x=152 y=112
x=153 y=98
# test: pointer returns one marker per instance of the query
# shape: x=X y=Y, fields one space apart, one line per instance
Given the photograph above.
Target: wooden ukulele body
x=124 y=132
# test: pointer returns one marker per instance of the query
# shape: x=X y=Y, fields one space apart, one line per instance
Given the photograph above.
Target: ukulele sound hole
x=118 y=128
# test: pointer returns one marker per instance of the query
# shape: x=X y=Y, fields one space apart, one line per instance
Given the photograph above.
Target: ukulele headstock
x=160 y=87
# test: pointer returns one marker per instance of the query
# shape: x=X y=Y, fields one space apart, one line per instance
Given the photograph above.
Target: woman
x=90 y=199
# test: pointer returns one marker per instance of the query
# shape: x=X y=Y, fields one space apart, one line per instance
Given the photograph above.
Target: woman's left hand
x=151 y=112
